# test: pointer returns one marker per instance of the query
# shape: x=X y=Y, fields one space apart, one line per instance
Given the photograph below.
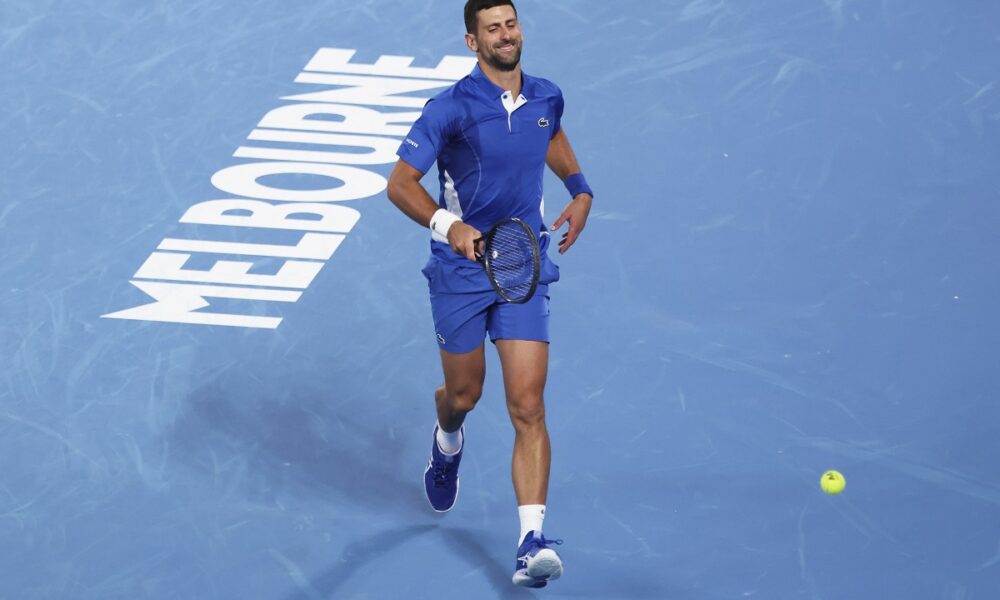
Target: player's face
x=498 y=37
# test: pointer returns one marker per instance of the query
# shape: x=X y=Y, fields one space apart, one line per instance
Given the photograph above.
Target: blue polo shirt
x=490 y=151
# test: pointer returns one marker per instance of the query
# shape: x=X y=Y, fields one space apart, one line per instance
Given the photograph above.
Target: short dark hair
x=472 y=8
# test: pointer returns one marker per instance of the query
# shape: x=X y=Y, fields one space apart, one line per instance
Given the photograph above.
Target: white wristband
x=441 y=222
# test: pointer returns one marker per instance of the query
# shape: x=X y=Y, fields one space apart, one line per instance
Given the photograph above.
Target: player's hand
x=462 y=239
x=575 y=214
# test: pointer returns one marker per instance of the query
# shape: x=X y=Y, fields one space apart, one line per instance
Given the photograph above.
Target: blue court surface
x=218 y=355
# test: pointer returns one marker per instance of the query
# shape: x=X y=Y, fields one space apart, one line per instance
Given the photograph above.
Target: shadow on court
x=472 y=551
x=355 y=556
x=300 y=439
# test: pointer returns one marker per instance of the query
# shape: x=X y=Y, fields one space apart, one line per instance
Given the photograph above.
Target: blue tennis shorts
x=466 y=308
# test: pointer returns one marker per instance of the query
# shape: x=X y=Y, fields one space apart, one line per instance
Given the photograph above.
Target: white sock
x=449 y=443
x=531 y=516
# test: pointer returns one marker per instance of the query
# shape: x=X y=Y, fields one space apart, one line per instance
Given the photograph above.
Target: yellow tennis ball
x=832 y=482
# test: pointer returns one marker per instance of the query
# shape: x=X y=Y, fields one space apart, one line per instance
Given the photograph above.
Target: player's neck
x=505 y=80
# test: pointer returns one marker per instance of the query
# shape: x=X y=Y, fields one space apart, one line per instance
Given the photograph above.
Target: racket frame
x=486 y=259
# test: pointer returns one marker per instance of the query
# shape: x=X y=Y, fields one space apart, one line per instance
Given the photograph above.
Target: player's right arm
x=409 y=196
x=418 y=152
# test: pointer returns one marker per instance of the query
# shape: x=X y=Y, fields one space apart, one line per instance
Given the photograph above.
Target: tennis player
x=491 y=135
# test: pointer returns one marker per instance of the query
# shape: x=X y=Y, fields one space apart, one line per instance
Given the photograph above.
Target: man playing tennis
x=491 y=135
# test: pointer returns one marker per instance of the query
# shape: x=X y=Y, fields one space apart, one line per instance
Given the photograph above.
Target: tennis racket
x=511 y=259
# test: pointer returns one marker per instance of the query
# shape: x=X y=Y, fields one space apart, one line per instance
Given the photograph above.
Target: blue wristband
x=577 y=184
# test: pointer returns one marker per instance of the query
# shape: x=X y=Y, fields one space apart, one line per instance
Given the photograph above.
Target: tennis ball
x=832 y=482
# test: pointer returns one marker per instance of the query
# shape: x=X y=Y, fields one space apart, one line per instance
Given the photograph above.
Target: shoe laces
x=541 y=542
x=442 y=473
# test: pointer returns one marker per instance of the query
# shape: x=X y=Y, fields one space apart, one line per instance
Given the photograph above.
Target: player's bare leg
x=463 y=386
x=525 y=368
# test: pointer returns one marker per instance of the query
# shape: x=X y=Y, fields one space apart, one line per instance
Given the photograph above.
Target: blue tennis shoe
x=441 y=476
x=537 y=564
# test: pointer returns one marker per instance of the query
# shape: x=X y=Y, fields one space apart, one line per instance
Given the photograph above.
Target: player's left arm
x=562 y=161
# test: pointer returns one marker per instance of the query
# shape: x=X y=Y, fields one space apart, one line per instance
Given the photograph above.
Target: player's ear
x=470 y=41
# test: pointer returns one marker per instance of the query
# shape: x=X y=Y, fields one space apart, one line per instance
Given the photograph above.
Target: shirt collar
x=492 y=90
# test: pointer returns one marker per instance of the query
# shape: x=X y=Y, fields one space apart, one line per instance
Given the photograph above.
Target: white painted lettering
x=372 y=91
x=332 y=217
x=351 y=119
x=312 y=246
x=349 y=133
x=383 y=149
x=299 y=155
x=242 y=180
x=169 y=266
x=176 y=303
x=337 y=60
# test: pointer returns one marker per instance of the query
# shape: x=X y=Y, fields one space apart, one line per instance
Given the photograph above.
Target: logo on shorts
x=441 y=339
x=543 y=122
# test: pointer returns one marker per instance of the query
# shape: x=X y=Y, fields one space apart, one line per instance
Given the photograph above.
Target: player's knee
x=464 y=398
x=527 y=412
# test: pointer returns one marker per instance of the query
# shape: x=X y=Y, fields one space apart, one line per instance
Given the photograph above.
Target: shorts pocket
x=549 y=271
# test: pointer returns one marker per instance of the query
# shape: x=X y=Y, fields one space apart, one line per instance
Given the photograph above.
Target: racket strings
x=512 y=259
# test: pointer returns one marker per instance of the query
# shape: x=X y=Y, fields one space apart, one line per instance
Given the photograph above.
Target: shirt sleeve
x=428 y=135
x=557 y=102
